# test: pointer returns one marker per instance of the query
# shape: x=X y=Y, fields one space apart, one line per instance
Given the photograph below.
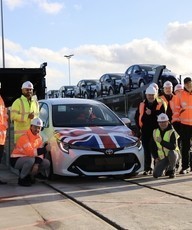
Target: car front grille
x=105 y=163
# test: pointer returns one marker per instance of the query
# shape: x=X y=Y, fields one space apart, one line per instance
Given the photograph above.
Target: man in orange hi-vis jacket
x=183 y=113
x=26 y=155
x=3 y=129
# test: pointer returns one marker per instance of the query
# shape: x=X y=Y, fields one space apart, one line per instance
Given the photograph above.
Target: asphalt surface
x=133 y=203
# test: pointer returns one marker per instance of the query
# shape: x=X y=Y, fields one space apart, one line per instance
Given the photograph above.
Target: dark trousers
x=167 y=162
x=1 y=152
x=186 y=135
x=146 y=139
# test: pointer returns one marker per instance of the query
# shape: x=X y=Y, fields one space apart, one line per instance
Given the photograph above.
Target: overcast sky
x=104 y=36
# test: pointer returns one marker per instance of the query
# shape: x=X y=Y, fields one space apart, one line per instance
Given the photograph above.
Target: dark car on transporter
x=66 y=91
x=110 y=84
x=139 y=75
x=86 y=88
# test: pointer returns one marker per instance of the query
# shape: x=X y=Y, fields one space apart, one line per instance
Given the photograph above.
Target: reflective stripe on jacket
x=175 y=118
x=183 y=108
x=20 y=110
x=162 y=151
x=3 y=122
x=27 y=145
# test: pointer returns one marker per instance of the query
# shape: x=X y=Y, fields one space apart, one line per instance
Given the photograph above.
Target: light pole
x=69 y=57
x=2 y=35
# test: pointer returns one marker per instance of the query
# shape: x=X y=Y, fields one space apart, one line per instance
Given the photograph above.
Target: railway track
x=139 y=184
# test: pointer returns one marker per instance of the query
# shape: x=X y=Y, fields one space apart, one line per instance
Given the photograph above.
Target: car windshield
x=90 y=82
x=80 y=115
x=116 y=77
x=147 y=68
x=69 y=87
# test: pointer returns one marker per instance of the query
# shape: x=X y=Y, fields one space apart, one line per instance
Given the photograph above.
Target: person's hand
x=148 y=111
x=31 y=115
x=45 y=144
x=48 y=147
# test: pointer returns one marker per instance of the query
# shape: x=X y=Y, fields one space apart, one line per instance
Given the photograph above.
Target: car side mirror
x=126 y=120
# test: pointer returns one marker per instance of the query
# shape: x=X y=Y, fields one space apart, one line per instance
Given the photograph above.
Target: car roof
x=114 y=74
x=89 y=80
x=153 y=66
x=56 y=101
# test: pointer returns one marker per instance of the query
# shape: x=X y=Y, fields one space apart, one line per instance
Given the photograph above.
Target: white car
x=100 y=144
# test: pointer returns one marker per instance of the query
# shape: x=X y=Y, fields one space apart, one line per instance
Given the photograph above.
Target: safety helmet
x=162 y=117
x=151 y=90
x=167 y=84
x=37 y=122
x=154 y=85
x=27 y=85
x=178 y=87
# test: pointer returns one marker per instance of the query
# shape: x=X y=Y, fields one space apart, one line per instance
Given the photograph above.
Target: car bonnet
x=97 y=137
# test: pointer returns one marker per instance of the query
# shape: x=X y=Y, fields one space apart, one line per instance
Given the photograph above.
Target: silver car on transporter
x=99 y=145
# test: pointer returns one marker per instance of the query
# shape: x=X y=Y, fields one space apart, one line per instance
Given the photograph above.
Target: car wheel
x=95 y=94
x=141 y=83
x=49 y=171
x=85 y=95
x=121 y=90
x=110 y=92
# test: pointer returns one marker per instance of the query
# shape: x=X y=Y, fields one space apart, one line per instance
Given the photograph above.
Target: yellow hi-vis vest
x=162 y=151
x=20 y=110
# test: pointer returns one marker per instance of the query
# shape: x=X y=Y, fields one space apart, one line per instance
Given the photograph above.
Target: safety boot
x=24 y=182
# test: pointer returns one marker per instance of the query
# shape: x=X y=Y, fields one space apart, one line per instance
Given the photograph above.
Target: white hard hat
x=37 y=122
x=27 y=85
x=167 y=84
x=178 y=87
x=154 y=85
x=162 y=117
x=151 y=90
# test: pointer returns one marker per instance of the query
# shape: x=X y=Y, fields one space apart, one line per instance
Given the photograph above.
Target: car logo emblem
x=109 y=152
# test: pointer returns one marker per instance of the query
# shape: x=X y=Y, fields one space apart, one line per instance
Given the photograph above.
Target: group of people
x=29 y=150
x=164 y=124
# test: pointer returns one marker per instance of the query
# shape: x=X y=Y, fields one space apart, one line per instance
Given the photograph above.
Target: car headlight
x=64 y=147
x=139 y=144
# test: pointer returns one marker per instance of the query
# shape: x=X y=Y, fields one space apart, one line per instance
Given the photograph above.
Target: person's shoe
x=24 y=182
x=184 y=171
x=168 y=172
x=2 y=182
x=40 y=177
x=172 y=174
x=30 y=178
x=148 y=172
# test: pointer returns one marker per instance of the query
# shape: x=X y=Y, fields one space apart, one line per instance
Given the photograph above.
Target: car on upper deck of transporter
x=100 y=146
x=110 y=84
x=138 y=75
x=86 y=88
